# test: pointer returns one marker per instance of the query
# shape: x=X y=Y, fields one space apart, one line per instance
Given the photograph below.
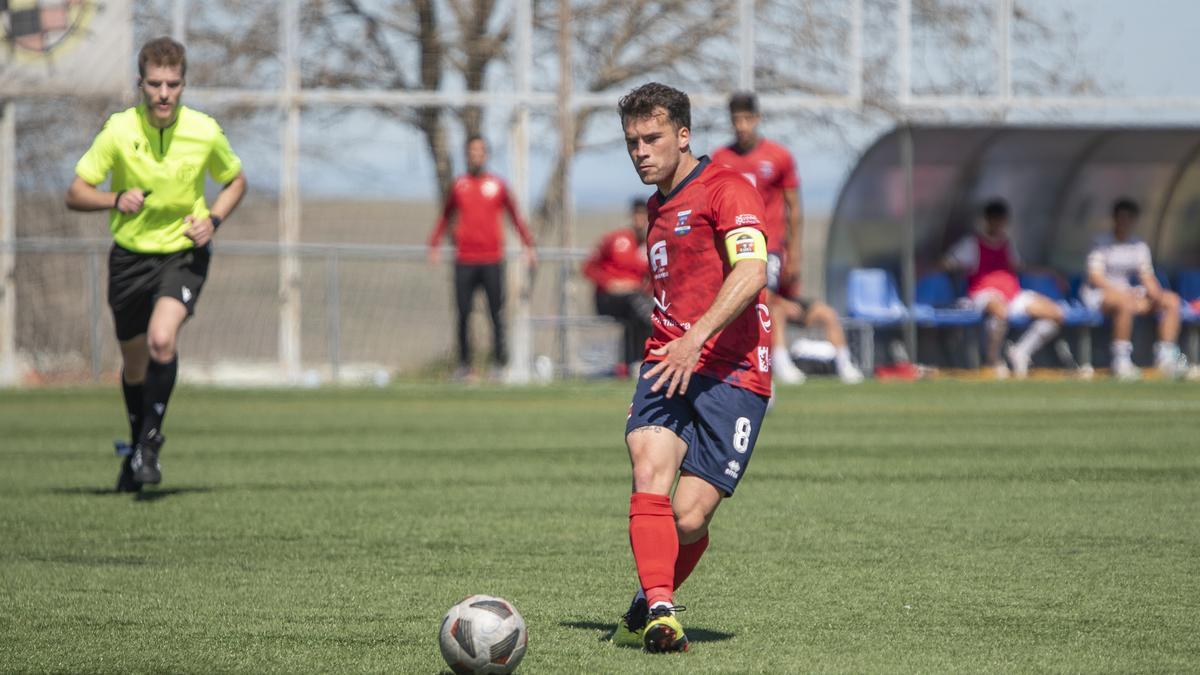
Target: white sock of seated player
x=1038 y=333
x=842 y=359
x=1122 y=351
x=1164 y=352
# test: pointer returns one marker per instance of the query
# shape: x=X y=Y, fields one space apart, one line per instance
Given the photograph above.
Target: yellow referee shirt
x=169 y=163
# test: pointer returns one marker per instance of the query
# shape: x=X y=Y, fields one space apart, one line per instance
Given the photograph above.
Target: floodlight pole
x=746 y=45
x=520 y=367
x=9 y=371
x=566 y=126
x=289 y=193
x=179 y=21
x=1004 y=48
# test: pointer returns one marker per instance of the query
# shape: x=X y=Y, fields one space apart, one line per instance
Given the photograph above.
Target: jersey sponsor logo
x=733 y=469
x=745 y=219
x=490 y=188
x=764 y=316
x=764 y=359
x=681 y=226
x=658 y=260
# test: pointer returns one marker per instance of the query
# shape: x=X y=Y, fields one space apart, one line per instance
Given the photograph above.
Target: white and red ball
x=483 y=634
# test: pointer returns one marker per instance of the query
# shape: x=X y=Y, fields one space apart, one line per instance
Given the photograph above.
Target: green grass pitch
x=929 y=527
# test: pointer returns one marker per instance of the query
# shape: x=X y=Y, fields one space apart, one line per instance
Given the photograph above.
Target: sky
x=1134 y=48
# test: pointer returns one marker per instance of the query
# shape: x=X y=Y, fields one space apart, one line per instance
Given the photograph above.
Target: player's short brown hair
x=644 y=100
x=743 y=101
x=162 y=51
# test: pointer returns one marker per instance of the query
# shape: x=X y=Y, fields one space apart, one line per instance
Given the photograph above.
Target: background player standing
x=157 y=153
x=479 y=199
x=619 y=269
x=706 y=379
x=770 y=167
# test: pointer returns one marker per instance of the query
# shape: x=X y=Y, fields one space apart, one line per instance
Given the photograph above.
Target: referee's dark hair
x=995 y=208
x=743 y=101
x=1127 y=205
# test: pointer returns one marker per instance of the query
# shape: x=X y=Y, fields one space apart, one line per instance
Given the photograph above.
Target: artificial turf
x=928 y=527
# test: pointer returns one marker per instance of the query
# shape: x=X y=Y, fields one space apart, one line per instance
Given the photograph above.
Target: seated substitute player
x=479 y=199
x=990 y=261
x=1114 y=262
x=704 y=386
x=157 y=153
x=619 y=269
x=773 y=171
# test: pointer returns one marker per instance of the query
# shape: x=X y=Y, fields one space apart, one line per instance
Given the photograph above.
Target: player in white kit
x=1121 y=284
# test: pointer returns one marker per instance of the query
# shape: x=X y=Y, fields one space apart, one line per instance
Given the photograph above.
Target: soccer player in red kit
x=773 y=171
x=479 y=199
x=704 y=386
x=620 y=271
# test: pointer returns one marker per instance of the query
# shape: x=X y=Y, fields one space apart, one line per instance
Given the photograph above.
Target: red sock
x=689 y=555
x=655 y=544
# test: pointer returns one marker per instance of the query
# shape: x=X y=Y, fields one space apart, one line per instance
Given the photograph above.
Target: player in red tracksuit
x=770 y=167
x=703 y=389
x=619 y=269
x=479 y=199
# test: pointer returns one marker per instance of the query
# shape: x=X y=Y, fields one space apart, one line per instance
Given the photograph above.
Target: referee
x=157 y=154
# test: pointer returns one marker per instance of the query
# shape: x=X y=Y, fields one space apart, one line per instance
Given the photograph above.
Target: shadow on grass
x=606 y=630
x=146 y=495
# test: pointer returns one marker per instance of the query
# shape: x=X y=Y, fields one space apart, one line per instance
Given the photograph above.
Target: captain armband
x=745 y=243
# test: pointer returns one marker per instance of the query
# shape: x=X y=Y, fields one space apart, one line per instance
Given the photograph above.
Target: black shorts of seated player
x=137 y=280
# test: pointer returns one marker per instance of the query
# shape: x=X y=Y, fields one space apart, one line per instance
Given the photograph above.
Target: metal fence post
x=8 y=252
x=333 y=315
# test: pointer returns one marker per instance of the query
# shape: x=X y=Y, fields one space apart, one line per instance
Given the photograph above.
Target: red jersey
x=994 y=270
x=479 y=235
x=773 y=171
x=689 y=263
x=618 y=257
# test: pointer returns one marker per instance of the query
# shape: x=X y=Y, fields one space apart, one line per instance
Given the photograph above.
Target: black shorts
x=137 y=280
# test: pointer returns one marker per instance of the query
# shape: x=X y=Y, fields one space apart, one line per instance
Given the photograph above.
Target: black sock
x=133 y=407
x=160 y=380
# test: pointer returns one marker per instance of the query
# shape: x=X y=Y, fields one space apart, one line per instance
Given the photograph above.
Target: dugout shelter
x=918 y=189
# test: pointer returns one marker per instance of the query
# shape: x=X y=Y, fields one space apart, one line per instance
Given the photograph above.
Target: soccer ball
x=483 y=634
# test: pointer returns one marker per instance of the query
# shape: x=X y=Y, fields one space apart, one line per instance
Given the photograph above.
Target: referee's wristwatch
x=215 y=220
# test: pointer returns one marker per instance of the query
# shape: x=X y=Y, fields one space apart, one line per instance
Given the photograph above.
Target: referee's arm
x=83 y=196
x=230 y=196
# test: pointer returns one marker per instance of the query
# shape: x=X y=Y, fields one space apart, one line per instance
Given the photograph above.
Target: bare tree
x=622 y=42
x=407 y=45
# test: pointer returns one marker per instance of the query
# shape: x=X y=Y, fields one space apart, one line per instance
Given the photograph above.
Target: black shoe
x=125 y=479
x=630 y=627
x=144 y=460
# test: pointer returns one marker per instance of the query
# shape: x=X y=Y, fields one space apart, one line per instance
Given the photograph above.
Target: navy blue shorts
x=718 y=421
